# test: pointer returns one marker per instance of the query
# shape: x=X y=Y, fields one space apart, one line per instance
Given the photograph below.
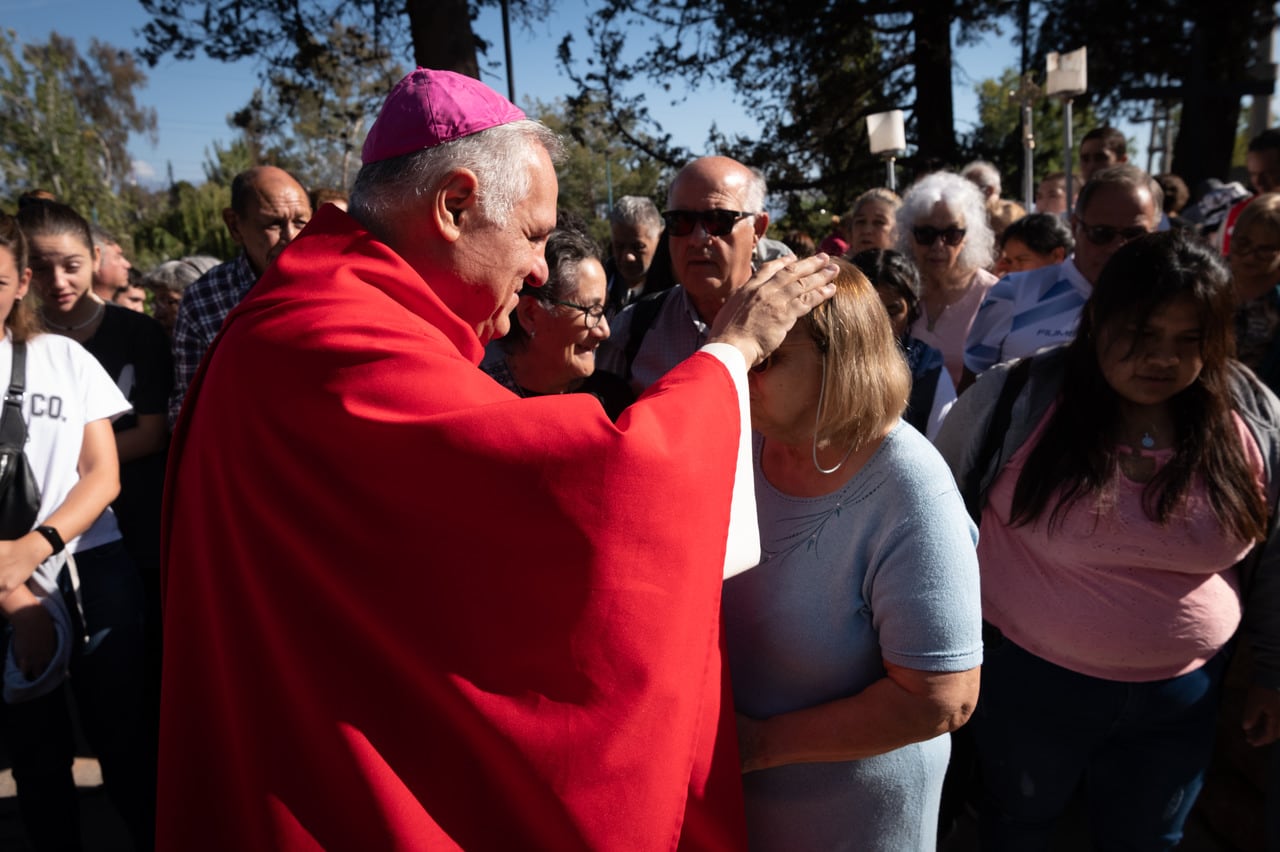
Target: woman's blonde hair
x=867 y=379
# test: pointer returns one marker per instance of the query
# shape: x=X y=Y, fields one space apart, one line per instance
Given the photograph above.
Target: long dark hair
x=1077 y=455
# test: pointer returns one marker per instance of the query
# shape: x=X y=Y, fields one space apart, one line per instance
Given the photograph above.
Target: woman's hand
x=1261 y=715
x=19 y=560
x=34 y=637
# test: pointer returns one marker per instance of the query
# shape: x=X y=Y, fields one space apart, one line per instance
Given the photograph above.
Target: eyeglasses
x=716 y=222
x=1105 y=235
x=927 y=236
x=1243 y=248
x=593 y=313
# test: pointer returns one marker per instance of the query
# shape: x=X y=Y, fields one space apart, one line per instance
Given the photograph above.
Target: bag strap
x=13 y=430
x=1001 y=415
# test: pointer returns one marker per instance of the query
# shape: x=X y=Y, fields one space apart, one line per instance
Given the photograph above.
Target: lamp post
x=1026 y=93
x=1067 y=76
x=888 y=137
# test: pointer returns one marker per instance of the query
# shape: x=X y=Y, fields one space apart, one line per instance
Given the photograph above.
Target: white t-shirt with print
x=66 y=388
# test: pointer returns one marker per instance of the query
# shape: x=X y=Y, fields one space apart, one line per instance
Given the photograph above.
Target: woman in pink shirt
x=1126 y=478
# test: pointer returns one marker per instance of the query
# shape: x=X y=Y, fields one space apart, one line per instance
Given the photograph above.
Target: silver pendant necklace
x=90 y=321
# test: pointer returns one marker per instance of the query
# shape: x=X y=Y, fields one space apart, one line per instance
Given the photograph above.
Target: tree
x=67 y=123
x=289 y=37
x=1202 y=55
x=598 y=167
x=316 y=125
x=187 y=219
x=809 y=73
x=998 y=136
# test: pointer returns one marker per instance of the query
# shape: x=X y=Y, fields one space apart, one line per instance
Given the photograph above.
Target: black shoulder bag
x=19 y=494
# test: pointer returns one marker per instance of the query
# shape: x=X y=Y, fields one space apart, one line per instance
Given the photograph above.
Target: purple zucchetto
x=431 y=107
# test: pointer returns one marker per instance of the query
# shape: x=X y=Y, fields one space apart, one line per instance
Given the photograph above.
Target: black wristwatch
x=55 y=540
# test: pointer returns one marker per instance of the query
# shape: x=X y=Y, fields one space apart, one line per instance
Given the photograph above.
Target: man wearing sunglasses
x=714 y=218
x=1027 y=311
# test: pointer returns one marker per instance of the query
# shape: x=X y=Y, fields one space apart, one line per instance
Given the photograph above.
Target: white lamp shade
x=887 y=132
x=1068 y=73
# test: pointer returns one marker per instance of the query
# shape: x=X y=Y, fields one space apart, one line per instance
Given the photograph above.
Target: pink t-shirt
x=1110 y=593
x=951 y=328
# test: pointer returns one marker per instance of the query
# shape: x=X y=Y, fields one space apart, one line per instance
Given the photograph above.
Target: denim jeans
x=106 y=684
x=1140 y=750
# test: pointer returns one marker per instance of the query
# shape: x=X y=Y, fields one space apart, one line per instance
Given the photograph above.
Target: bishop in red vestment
x=405 y=609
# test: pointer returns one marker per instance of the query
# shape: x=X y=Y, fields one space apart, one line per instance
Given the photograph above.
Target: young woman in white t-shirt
x=68 y=406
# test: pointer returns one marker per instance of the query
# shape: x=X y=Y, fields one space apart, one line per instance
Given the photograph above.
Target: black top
x=134 y=350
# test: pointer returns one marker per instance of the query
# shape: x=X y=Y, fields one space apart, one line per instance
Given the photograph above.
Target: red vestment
x=405 y=609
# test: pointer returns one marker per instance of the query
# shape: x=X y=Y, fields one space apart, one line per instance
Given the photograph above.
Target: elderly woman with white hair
x=943 y=226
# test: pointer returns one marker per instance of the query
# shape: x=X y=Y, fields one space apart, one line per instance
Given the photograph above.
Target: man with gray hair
x=112 y=273
x=396 y=615
x=715 y=220
x=635 y=227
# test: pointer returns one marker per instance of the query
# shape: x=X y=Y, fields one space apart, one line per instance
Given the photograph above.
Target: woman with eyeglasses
x=1121 y=481
x=1255 y=272
x=556 y=329
x=943 y=227
x=854 y=645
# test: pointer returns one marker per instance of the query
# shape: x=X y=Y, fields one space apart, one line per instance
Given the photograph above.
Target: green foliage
x=1206 y=51
x=998 y=136
x=67 y=124
x=314 y=125
x=599 y=166
x=809 y=74
x=187 y=219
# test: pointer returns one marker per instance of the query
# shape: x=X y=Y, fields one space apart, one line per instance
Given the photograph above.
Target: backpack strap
x=13 y=431
x=643 y=315
x=1001 y=415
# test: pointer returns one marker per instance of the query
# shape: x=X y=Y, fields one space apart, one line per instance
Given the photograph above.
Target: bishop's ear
x=455 y=201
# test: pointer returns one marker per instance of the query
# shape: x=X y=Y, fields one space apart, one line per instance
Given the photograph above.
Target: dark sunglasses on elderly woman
x=927 y=236
x=716 y=222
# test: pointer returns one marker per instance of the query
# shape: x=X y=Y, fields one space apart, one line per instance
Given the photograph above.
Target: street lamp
x=1067 y=77
x=888 y=137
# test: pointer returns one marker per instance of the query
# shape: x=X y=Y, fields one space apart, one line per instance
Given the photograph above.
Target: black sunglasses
x=1105 y=235
x=716 y=222
x=926 y=235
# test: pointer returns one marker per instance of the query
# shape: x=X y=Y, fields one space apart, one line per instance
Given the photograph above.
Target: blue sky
x=193 y=98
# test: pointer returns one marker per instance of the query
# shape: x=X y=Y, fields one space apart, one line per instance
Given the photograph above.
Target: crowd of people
x=425 y=521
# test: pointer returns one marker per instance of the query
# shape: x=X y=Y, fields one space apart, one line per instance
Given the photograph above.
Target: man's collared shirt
x=205 y=304
x=676 y=333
